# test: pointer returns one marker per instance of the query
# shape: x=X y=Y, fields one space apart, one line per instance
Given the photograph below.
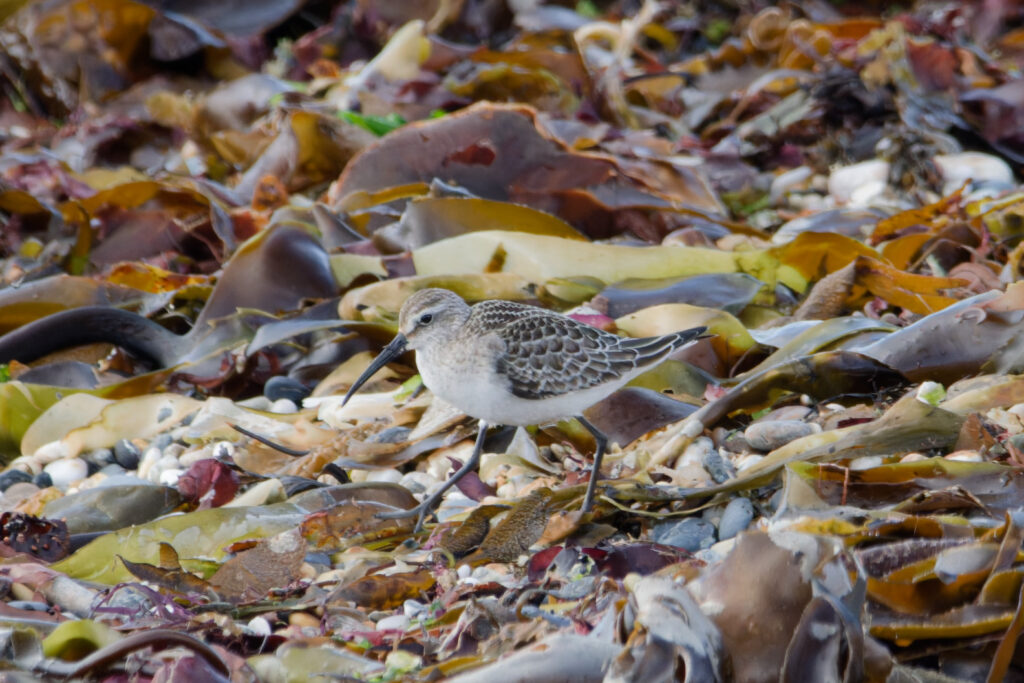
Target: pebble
x=965 y=456
x=913 y=457
x=690 y=534
x=169 y=477
x=285 y=387
x=16 y=493
x=696 y=452
x=983 y=170
x=866 y=462
x=738 y=515
x=283 y=406
x=266 y=491
x=11 y=477
x=389 y=476
x=768 y=435
x=101 y=457
x=127 y=454
x=718 y=467
x=394 y=622
x=48 y=452
x=43 y=480
x=417 y=482
x=66 y=471
x=162 y=441
x=860 y=183
x=147 y=462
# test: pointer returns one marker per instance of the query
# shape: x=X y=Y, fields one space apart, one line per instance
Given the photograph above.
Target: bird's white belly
x=481 y=393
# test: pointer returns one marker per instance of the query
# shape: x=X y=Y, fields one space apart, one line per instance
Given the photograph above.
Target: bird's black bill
x=389 y=353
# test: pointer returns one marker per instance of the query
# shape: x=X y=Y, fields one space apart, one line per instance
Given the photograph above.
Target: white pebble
x=27 y=463
x=395 y=622
x=170 y=477
x=866 y=462
x=913 y=457
x=283 y=406
x=859 y=183
x=414 y=609
x=259 y=626
x=464 y=571
x=66 y=471
x=956 y=169
x=965 y=456
x=150 y=457
x=417 y=482
x=49 y=452
x=223 y=449
x=696 y=452
x=387 y=476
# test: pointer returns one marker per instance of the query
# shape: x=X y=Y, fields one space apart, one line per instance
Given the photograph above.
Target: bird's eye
x=426 y=318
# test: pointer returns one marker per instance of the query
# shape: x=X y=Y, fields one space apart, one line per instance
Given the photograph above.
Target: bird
x=509 y=363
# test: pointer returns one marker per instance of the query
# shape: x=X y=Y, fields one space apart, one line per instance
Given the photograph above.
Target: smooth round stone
x=695 y=453
x=389 y=476
x=148 y=463
x=43 y=480
x=266 y=491
x=66 y=471
x=285 y=387
x=866 y=462
x=11 y=477
x=771 y=434
x=690 y=534
x=223 y=449
x=161 y=441
x=738 y=515
x=170 y=477
x=283 y=406
x=101 y=457
x=127 y=454
x=417 y=482
x=394 y=622
x=16 y=493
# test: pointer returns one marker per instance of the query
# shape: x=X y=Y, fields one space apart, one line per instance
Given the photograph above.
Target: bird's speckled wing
x=549 y=355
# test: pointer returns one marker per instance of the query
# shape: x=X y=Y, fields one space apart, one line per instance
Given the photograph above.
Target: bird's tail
x=653 y=349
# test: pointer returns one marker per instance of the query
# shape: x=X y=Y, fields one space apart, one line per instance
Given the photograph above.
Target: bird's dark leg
x=602 y=444
x=421 y=510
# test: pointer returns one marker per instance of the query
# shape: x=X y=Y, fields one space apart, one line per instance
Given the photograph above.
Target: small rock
x=48 y=452
x=965 y=456
x=695 y=453
x=16 y=493
x=162 y=441
x=285 y=387
x=690 y=534
x=980 y=169
x=859 y=184
x=127 y=454
x=737 y=517
x=43 y=480
x=395 y=622
x=768 y=435
x=389 y=476
x=283 y=406
x=866 y=462
x=717 y=466
x=148 y=462
x=417 y=482
x=66 y=471
x=169 y=477
x=11 y=477
x=101 y=457
x=913 y=457
x=266 y=491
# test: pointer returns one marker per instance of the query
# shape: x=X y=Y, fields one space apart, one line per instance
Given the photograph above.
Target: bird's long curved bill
x=389 y=353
